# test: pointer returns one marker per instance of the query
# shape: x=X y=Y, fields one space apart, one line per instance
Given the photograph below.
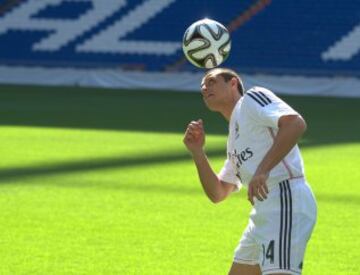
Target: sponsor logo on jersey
x=238 y=158
x=241 y=157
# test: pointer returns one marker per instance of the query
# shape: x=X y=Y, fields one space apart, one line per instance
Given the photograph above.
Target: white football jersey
x=252 y=128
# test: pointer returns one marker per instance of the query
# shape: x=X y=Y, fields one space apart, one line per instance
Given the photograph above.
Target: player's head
x=221 y=87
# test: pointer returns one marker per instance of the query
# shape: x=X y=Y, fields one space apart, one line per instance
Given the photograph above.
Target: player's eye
x=211 y=82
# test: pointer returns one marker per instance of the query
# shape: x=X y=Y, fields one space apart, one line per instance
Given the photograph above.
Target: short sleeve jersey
x=252 y=128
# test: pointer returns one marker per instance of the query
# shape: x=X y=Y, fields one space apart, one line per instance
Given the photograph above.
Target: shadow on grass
x=330 y=120
x=17 y=173
x=23 y=173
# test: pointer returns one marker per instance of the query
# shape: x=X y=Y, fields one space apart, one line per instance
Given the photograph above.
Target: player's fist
x=194 y=138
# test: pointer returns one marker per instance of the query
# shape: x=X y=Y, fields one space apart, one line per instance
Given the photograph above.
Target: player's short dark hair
x=227 y=74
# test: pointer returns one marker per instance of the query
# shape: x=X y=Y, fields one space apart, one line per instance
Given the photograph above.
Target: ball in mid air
x=206 y=43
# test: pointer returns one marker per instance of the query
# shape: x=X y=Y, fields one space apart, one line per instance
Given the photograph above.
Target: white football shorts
x=279 y=229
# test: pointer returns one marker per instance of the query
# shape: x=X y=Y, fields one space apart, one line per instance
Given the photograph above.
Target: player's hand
x=194 y=138
x=258 y=188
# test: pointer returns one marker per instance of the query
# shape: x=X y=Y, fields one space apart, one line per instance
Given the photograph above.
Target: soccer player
x=262 y=155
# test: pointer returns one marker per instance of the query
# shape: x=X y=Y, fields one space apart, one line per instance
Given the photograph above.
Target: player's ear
x=234 y=82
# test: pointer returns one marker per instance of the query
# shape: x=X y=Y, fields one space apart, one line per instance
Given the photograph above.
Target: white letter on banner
x=62 y=30
x=344 y=49
x=109 y=40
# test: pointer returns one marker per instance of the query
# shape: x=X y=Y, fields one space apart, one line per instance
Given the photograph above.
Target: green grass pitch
x=98 y=181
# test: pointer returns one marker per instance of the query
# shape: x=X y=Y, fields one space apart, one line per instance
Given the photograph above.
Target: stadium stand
x=279 y=38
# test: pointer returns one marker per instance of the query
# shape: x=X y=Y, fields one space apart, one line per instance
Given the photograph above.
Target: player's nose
x=204 y=91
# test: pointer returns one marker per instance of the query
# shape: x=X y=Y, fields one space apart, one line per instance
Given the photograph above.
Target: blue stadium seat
x=279 y=37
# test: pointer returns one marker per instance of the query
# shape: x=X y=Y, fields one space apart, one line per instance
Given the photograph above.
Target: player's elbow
x=301 y=125
x=222 y=192
x=216 y=198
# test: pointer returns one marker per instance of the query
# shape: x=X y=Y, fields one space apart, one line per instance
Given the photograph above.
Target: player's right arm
x=194 y=139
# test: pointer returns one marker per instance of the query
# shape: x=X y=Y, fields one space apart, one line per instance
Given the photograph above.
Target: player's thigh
x=244 y=269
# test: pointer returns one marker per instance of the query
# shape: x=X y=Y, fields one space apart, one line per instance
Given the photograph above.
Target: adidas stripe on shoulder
x=259 y=97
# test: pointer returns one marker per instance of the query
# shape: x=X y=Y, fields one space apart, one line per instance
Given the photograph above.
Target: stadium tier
x=307 y=38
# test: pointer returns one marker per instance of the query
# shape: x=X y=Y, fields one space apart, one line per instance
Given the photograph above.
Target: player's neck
x=229 y=108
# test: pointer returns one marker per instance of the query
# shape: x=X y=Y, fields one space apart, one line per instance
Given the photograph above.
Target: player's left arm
x=291 y=128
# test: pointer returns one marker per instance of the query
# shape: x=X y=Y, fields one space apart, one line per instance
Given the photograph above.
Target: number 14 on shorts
x=268 y=252
x=269 y=256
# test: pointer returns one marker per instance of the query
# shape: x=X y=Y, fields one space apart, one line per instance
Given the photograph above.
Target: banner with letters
x=297 y=38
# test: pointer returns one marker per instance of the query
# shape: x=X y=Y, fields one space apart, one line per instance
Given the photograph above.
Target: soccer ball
x=206 y=43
